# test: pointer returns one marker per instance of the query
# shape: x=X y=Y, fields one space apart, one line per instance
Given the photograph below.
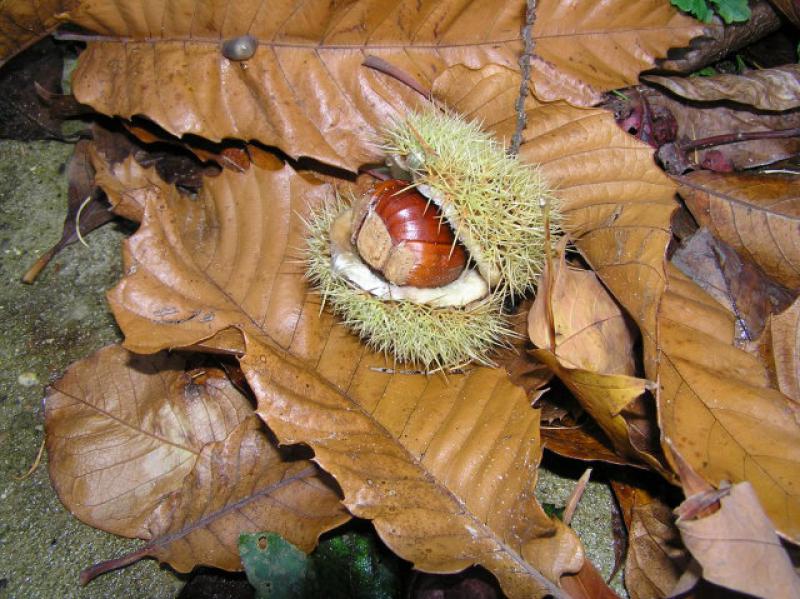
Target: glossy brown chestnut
x=398 y=232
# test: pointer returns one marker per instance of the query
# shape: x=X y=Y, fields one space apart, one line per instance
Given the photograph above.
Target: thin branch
x=525 y=68
x=732 y=138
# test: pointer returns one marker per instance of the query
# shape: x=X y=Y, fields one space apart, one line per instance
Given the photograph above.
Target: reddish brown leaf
x=123 y=431
x=237 y=485
x=695 y=123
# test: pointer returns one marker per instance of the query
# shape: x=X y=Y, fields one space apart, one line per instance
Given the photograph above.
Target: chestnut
x=403 y=235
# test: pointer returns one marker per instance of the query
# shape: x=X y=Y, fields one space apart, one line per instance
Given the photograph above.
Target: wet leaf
x=348 y=566
x=738 y=548
x=656 y=557
x=409 y=451
x=23 y=23
x=238 y=485
x=765 y=89
x=758 y=215
x=308 y=61
x=123 y=431
x=735 y=283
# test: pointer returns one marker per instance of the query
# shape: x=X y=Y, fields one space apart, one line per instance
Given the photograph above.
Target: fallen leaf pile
x=240 y=404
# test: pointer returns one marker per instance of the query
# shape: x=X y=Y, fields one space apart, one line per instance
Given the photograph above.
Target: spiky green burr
x=431 y=337
x=496 y=207
x=494 y=203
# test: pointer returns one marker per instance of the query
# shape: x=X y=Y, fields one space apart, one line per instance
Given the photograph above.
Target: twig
x=525 y=67
x=575 y=498
x=35 y=464
x=732 y=138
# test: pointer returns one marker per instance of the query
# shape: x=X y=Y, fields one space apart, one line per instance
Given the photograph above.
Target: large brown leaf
x=586 y=48
x=758 y=215
x=442 y=467
x=123 y=431
x=238 y=485
x=23 y=23
x=717 y=406
x=231 y=259
x=305 y=90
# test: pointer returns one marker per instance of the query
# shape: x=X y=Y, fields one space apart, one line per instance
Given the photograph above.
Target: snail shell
x=401 y=234
x=240 y=48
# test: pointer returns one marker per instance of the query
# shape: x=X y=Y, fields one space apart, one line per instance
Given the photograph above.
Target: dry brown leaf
x=123 y=431
x=237 y=485
x=441 y=467
x=23 y=23
x=765 y=89
x=618 y=207
x=231 y=259
x=782 y=340
x=656 y=557
x=586 y=48
x=305 y=90
x=593 y=353
x=590 y=330
x=241 y=485
x=758 y=215
x=717 y=407
x=604 y=397
x=738 y=548
x=587 y=584
x=615 y=200
x=583 y=442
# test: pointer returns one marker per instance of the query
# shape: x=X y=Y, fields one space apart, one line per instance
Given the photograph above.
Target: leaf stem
x=380 y=65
